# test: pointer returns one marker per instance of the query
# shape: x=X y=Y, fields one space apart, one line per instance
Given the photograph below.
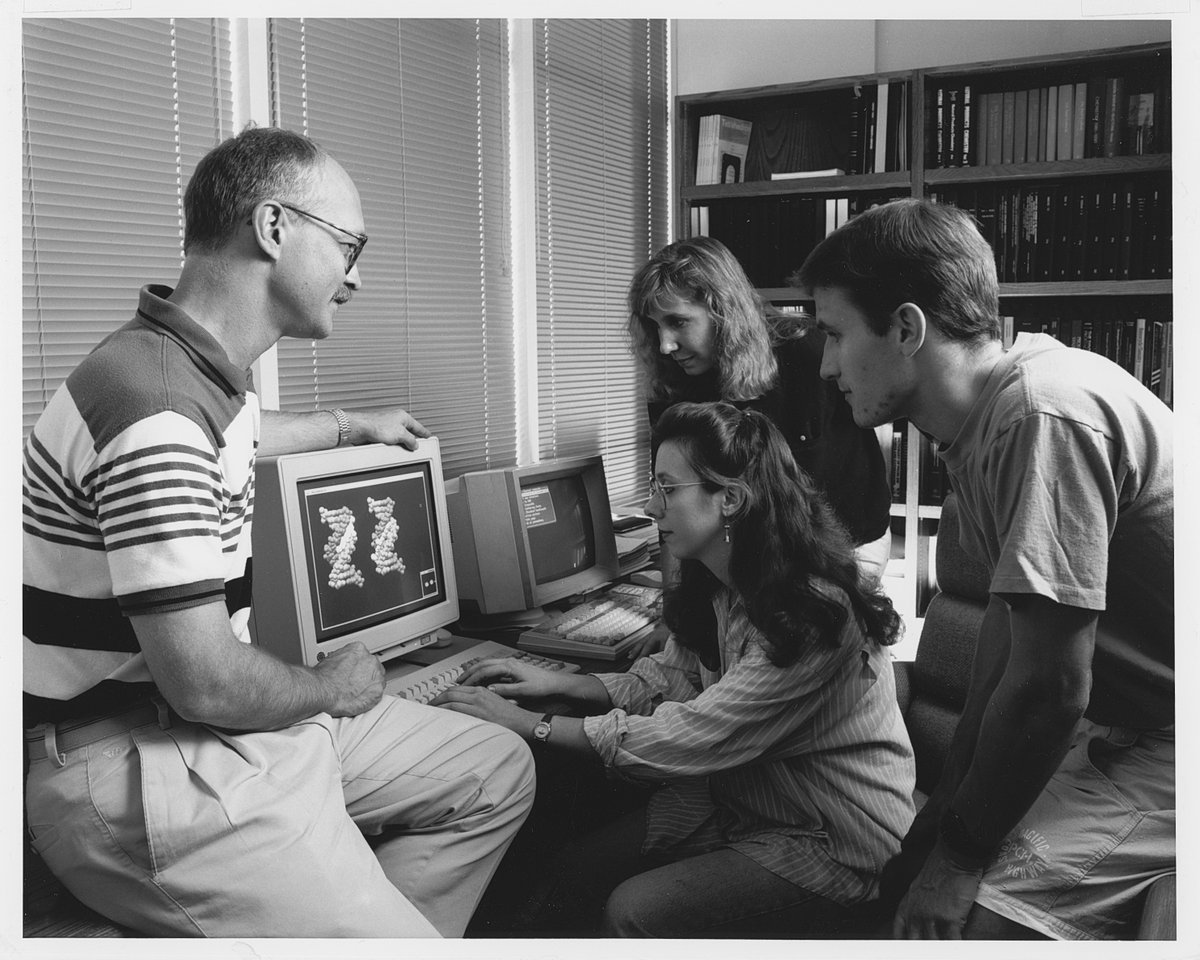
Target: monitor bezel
x=380 y=638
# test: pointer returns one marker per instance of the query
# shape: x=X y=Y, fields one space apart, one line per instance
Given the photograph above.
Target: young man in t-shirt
x=1056 y=807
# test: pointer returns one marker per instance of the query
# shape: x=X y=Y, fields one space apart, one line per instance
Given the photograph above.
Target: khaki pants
x=389 y=824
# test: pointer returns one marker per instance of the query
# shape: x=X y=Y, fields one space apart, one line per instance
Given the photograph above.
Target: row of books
x=1140 y=345
x=879 y=126
x=1101 y=228
x=1100 y=117
x=721 y=149
x=771 y=236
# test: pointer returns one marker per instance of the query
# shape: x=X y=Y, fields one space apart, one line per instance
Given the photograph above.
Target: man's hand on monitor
x=354 y=678
x=652 y=642
x=391 y=425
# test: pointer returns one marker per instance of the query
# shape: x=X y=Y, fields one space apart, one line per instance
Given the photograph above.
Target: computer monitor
x=527 y=536
x=351 y=544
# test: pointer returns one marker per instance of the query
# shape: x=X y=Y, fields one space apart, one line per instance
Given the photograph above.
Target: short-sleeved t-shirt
x=843 y=458
x=1063 y=470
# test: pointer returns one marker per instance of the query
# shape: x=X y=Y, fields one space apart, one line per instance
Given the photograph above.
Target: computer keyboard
x=602 y=628
x=425 y=684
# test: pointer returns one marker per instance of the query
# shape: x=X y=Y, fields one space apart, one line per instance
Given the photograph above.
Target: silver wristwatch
x=343 y=425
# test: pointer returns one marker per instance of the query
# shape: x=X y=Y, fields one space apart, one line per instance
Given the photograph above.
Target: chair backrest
x=940 y=675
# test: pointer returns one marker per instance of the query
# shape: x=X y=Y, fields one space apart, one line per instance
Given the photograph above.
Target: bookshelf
x=1076 y=201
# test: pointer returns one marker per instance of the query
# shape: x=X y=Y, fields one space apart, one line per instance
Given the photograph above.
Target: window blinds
x=416 y=111
x=601 y=96
x=116 y=115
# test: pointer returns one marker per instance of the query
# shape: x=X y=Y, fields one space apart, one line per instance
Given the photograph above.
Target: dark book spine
x=1096 y=238
x=1002 y=226
x=1079 y=234
x=968 y=128
x=1112 y=231
x=995 y=126
x=1152 y=256
x=868 y=160
x=1028 y=237
x=1095 y=118
x=1046 y=251
x=1125 y=233
x=1033 y=114
x=892 y=126
x=1062 y=235
x=899 y=455
x=1020 y=126
x=1114 y=115
x=1008 y=123
x=854 y=155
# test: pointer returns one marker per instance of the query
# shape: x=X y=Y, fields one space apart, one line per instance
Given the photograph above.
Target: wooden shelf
x=1056 y=169
x=1088 y=288
x=896 y=180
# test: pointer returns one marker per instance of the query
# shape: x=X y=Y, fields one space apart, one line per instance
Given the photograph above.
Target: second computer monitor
x=527 y=536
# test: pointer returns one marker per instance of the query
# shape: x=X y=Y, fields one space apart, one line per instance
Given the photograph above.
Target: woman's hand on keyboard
x=513 y=679
x=652 y=642
x=481 y=703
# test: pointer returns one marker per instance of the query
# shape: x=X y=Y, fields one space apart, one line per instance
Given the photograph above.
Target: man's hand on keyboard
x=654 y=641
x=483 y=704
x=513 y=679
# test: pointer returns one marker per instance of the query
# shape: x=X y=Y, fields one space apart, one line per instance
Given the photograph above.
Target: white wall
x=727 y=54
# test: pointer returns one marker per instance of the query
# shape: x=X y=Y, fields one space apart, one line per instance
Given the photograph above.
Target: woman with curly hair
x=700 y=332
x=768 y=726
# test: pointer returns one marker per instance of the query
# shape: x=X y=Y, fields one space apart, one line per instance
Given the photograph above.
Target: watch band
x=343 y=425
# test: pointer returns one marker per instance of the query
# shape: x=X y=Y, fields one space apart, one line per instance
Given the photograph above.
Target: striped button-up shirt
x=807 y=769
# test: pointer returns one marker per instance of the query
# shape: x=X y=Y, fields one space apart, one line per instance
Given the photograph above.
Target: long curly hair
x=701 y=270
x=787 y=546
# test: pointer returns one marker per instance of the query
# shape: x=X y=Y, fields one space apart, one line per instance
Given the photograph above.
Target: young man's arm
x=299 y=432
x=1024 y=732
x=207 y=675
x=991 y=659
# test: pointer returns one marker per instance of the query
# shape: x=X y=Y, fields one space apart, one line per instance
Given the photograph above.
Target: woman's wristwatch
x=541 y=730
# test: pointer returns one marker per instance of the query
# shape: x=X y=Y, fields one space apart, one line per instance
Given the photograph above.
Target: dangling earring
x=726 y=532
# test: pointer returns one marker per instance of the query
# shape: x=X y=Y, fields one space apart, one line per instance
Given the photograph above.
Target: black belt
x=50 y=740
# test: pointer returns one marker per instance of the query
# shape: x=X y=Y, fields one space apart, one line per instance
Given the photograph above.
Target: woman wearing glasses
x=768 y=724
x=700 y=332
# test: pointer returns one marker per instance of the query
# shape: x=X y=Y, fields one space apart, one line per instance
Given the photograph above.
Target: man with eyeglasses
x=182 y=782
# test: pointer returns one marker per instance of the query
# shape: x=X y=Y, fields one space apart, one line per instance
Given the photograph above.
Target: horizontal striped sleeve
x=160 y=500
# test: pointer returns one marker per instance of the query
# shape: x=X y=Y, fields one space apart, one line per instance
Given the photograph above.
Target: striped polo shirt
x=138 y=497
x=806 y=769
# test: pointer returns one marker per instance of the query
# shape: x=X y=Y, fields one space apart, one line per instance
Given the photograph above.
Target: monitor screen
x=558 y=522
x=371 y=543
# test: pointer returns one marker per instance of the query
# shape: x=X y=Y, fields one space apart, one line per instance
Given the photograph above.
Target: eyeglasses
x=666 y=489
x=360 y=239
